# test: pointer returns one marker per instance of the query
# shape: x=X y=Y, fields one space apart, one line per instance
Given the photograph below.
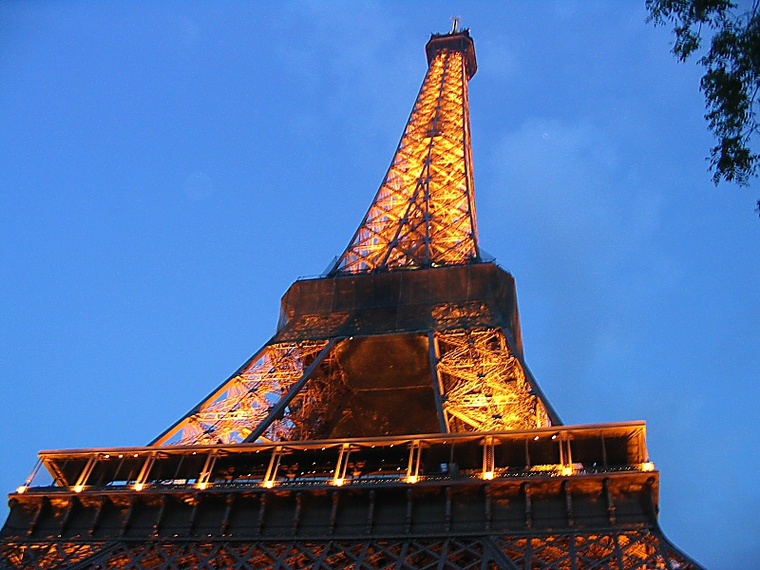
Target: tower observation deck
x=390 y=422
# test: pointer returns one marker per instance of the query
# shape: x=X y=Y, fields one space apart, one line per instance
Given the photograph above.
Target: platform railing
x=551 y=452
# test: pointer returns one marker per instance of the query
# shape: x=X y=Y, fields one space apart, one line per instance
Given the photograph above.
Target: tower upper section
x=410 y=333
x=424 y=212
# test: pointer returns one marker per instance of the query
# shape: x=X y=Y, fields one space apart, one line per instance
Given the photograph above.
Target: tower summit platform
x=458 y=41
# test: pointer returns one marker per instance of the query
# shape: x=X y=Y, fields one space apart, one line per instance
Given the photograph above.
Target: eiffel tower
x=391 y=422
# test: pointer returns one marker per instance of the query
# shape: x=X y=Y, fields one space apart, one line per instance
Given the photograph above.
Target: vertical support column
x=193 y=515
x=334 y=511
x=447 y=515
x=641 y=443
x=409 y=511
x=160 y=517
x=566 y=454
x=179 y=467
x=274 y=464
x=610 y=500
x=528 y=506
x=568 y=449
x=568 y=503
x=262 y=513
x=35 y=519
x=653 y=499
x=488 y=459
x=29 y=480
x=127 y=517
x=413 y=466
x=208 y=468
x=85 y=474
x=340 y=468
x=142 y=477
x=527 y=453
x=438 y=391
x=98 y=513
x=573 y=551
x=529 y=552
x=297 y=513
x=488 y=507
x=371 y=512
x=229 y=499
x=66 y=516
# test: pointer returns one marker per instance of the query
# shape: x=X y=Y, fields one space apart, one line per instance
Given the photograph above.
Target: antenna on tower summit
x=455 y=27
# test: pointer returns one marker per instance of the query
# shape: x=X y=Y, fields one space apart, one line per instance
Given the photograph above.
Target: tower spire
x=424 y=212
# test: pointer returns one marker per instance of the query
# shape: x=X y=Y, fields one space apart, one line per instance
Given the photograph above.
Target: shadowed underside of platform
x=600 y=521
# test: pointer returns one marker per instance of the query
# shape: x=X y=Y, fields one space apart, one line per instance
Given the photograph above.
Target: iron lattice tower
x=391 y=422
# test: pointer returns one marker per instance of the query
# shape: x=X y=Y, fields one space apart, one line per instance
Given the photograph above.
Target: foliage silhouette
x=731 y=82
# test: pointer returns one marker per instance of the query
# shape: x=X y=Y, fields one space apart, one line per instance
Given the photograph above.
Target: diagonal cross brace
x=177 y=426
x=437 y=383
x=284 y=402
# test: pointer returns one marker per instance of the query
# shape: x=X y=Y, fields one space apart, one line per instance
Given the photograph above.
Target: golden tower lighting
x=390 y=422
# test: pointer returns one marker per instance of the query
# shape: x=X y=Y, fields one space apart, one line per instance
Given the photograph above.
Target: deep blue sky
x=168 y=169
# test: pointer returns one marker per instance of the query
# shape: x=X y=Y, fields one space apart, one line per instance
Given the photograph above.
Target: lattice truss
x=624 y=550
x=246 y=401
x=424 y=211
x=484 y=384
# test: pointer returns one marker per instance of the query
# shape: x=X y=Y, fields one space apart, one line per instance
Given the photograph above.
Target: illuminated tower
x=391 y=422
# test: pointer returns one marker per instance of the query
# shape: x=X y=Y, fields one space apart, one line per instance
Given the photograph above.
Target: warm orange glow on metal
x=485 y=385
x=424 y=212
x=230 y=414
x=422 y=216
x=413 y=463
x=30 y=480
x=420 y=460
x=342 y=465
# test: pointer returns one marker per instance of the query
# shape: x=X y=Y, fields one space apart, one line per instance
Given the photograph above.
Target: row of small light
x=339 y=482
x=487 y=475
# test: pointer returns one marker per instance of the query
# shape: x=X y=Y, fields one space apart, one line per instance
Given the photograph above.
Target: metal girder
x=292 y=391
x=606 y=550
x=485 y=387
x=241 y=404
x=424 y=212
x=554 y=451
x=279 y=408
x=435 y=355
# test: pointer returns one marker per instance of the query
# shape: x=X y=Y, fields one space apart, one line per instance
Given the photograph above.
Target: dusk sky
x=168 y=169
